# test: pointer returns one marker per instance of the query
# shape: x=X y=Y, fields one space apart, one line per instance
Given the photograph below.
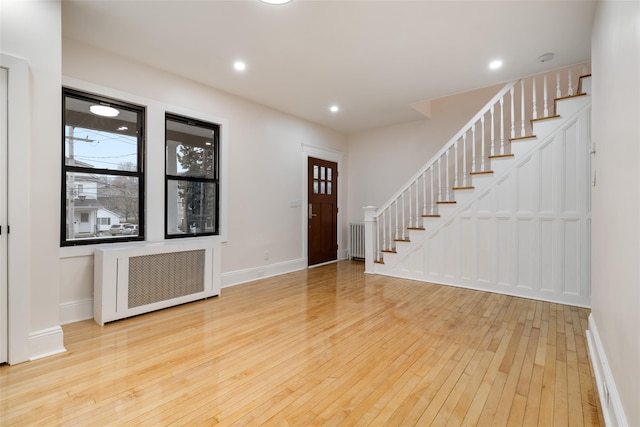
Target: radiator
x=356 y=241
x=136 y=279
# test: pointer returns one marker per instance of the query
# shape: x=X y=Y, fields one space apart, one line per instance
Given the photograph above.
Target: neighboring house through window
x=103 y=177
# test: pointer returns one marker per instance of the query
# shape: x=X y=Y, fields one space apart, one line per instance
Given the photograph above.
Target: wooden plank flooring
x=325 y=346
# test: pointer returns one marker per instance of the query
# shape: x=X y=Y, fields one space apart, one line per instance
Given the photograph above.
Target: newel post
x=369 y=238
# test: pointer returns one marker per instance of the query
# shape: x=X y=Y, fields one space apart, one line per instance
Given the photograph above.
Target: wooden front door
x=323 y=211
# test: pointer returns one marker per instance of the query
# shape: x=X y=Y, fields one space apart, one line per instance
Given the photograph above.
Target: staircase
x=504 y=206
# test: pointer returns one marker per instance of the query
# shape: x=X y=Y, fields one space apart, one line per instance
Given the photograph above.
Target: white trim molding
x=76 y=311
x=18 y=283
x=250 y=274
x=46 y=342
x=612 y=409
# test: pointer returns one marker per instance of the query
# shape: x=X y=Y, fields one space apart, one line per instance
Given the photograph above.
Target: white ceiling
x=372 y=58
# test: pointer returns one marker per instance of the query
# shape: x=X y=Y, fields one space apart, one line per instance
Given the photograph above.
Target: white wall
x=616 y=197
x=382 y=160
x=264 y=165
x=32 y=31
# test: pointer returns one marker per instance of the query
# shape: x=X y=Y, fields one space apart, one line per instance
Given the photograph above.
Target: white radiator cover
x=136 y=279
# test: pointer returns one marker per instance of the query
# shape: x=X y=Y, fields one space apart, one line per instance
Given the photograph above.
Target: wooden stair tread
x=569 y=97
x=500 y=156
x=416 y=228
x=446 y=202
x=430 y=216
x=389 y=251
x=481 y=172
x=464 y=188
x=379 y=261
x=556 y=116
x=520 y=138
x=402 y=240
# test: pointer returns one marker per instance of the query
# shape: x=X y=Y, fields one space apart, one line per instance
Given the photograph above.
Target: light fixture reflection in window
x=104 y=110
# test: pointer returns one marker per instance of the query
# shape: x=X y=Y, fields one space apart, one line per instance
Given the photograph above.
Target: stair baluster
x=473 y=148
x=493 y=133
x=455 y=165
x=545 y=112
x=484 y=157
x=502 y=125
x=534 y=112
x=446 y=183
x=522 y=109
x=424 y=194
x=513 y=116
x=570 y=90
x=433 y=199
x=464 y=159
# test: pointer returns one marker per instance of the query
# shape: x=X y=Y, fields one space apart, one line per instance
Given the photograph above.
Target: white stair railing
x=449 y=168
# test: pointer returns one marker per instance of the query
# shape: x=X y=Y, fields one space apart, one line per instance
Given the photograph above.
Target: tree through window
x=192 y=180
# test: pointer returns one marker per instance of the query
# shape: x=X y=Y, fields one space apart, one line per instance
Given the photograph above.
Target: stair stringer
x=525 y=232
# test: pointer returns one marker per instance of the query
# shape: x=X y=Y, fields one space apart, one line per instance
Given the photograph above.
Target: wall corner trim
x=612 y=409
x=46 y=342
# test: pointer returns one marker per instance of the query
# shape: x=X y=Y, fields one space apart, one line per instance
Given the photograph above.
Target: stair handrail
x=492 y=102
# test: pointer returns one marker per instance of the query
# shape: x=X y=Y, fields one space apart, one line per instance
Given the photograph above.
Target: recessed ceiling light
x=494 y=65
x=334 y=108
x=104 y=110
x=239 y=66
x=275 y=1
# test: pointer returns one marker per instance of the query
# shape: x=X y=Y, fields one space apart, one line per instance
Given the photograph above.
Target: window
x=192 y=180
x=102 y=172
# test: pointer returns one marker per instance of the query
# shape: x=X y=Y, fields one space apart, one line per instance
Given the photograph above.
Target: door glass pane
x=329 y=189
x=321 y=187
x=322 y=172
x=315 y=187
x=315 y=171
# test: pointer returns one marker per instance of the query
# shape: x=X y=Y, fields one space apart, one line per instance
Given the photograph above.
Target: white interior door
x=3 y=213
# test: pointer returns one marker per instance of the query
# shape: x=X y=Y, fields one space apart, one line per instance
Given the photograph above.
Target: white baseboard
x=75 y=311
x=46 y=342
x=250 y=274
x=612 y=410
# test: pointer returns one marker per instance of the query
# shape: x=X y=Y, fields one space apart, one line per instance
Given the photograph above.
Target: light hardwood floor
x=324 y=346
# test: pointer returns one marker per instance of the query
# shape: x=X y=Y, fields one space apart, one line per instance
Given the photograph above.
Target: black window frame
x=215 y=180
x=139 y=174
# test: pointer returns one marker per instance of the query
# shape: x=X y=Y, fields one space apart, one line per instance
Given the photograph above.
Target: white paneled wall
x=526 y=233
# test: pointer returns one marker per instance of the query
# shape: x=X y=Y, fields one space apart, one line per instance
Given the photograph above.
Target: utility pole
x=71 y=211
